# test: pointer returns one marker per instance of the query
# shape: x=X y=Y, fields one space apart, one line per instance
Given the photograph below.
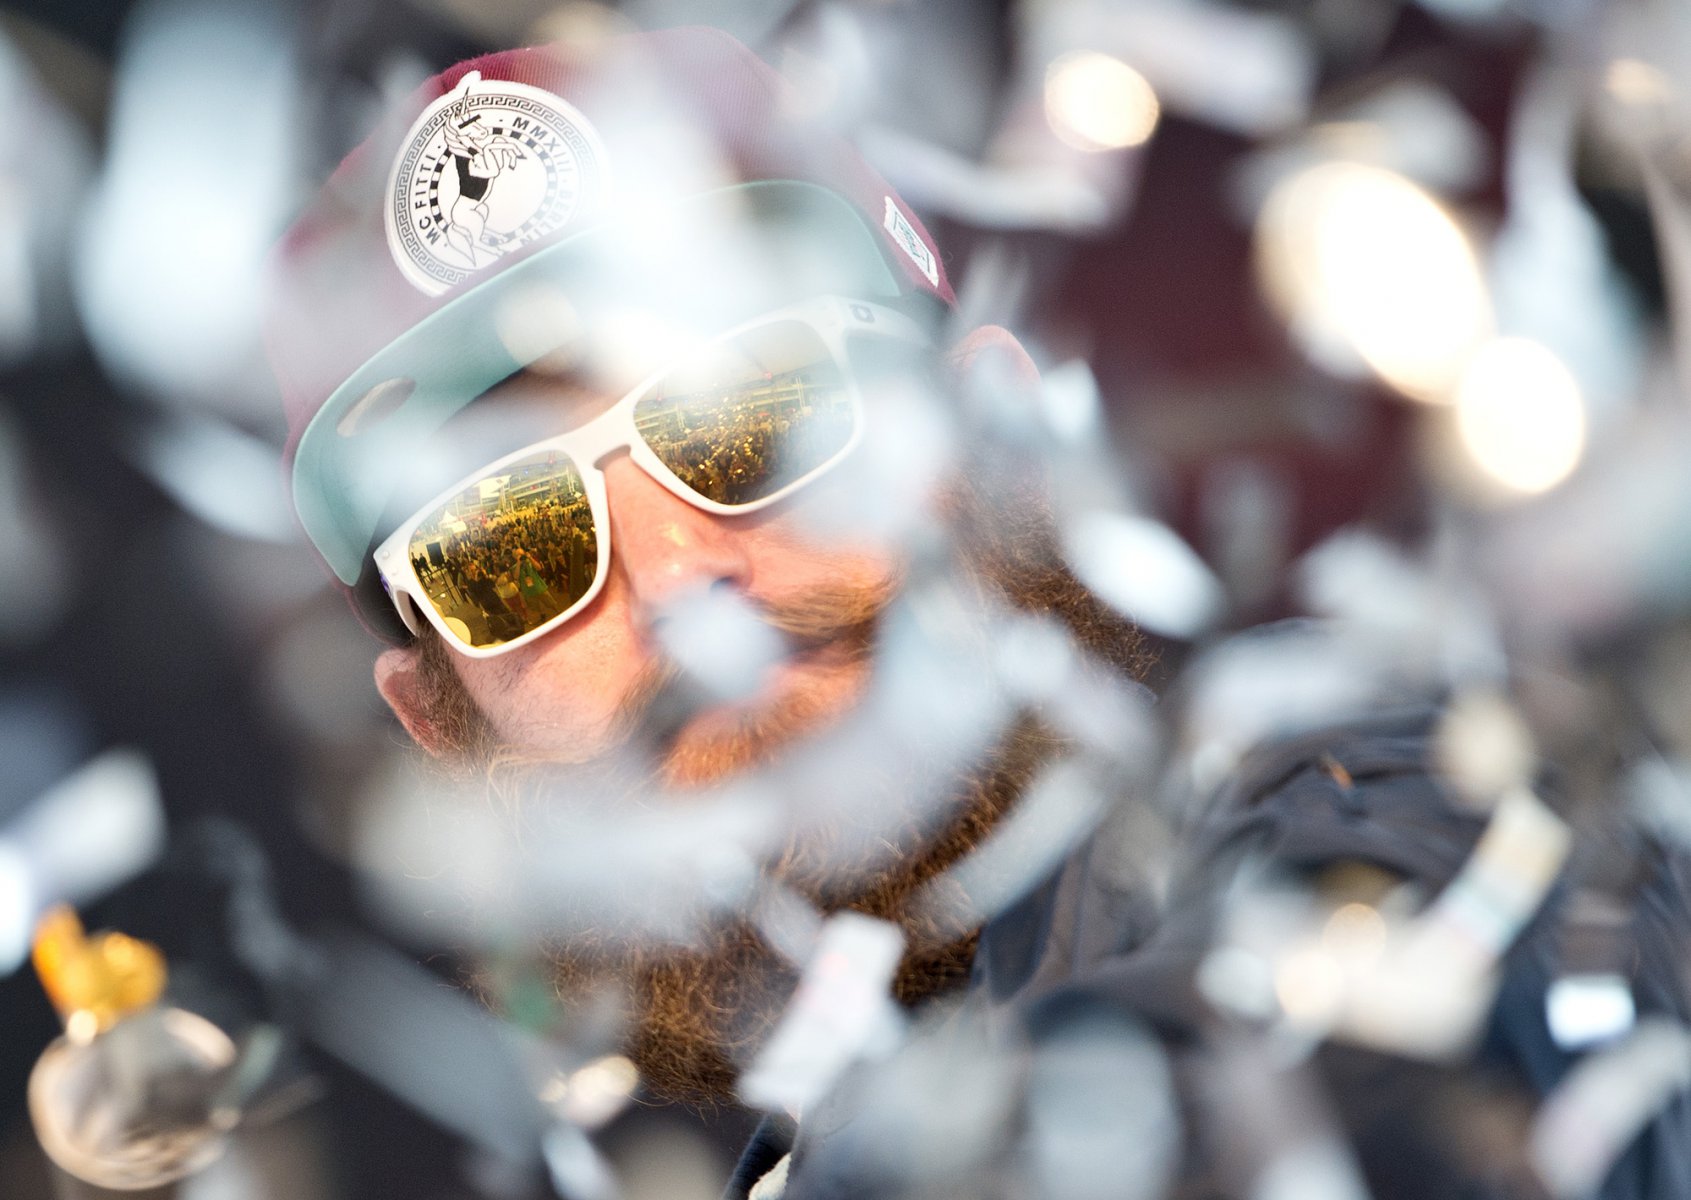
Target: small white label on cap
x=904 y=233
x=487 y=169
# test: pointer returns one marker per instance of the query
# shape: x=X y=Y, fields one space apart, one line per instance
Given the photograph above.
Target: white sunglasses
x=513 y=550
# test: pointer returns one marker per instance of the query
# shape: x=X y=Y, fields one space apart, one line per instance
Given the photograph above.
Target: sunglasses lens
x=751 y=417
x=510 y=552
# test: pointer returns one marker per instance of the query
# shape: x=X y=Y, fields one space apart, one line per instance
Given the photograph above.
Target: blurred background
x=1366 y=307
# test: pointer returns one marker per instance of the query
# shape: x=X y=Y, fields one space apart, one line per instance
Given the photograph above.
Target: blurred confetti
x=1604 y=1102
x=1352 y=372
x=842 y=1010
x=84 y=836
x=173 y=257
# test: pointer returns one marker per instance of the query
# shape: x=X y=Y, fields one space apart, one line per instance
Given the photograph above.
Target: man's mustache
x=837 y=619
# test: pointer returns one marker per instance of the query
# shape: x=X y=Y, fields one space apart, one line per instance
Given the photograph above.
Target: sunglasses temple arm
x=406 y=606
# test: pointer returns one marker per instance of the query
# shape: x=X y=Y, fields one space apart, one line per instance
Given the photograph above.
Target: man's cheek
x=548 y=700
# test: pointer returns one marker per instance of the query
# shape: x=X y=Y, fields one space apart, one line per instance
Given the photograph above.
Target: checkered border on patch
x=904 y=233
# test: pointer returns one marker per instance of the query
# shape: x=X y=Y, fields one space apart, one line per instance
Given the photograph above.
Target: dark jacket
x=1085 y=949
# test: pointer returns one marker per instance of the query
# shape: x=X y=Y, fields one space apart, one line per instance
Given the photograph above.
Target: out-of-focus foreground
x=1366 y=378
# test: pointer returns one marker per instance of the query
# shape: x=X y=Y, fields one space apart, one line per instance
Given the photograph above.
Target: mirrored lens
x=752 y=416
x=510 y=552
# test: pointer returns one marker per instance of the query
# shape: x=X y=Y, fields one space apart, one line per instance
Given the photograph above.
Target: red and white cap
x=671 y=172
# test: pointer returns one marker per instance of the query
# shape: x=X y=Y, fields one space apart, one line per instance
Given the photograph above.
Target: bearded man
x=708 y=369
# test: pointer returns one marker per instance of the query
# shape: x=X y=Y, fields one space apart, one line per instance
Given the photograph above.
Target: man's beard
x=697 y=1012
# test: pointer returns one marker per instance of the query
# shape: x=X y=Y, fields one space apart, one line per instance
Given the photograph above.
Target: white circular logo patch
x=486 y=169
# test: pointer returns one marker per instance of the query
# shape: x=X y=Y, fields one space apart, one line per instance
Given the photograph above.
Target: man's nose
x=663 y=546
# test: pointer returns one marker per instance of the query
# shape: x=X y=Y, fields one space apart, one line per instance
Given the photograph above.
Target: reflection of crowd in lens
x=743 y=446
x=514 y=567
x=524 y=559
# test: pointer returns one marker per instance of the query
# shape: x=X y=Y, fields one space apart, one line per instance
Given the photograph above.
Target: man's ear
x=399 y=679
x=990 y=356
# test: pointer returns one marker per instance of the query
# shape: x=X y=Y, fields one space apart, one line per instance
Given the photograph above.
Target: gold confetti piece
x=94 y=982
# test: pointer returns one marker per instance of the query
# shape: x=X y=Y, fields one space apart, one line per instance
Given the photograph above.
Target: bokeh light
x=1521 y=416
x=1635 y=82
x=1309 y=983
x=1355 y=932
x=1370 y=269
x=1097 y=102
